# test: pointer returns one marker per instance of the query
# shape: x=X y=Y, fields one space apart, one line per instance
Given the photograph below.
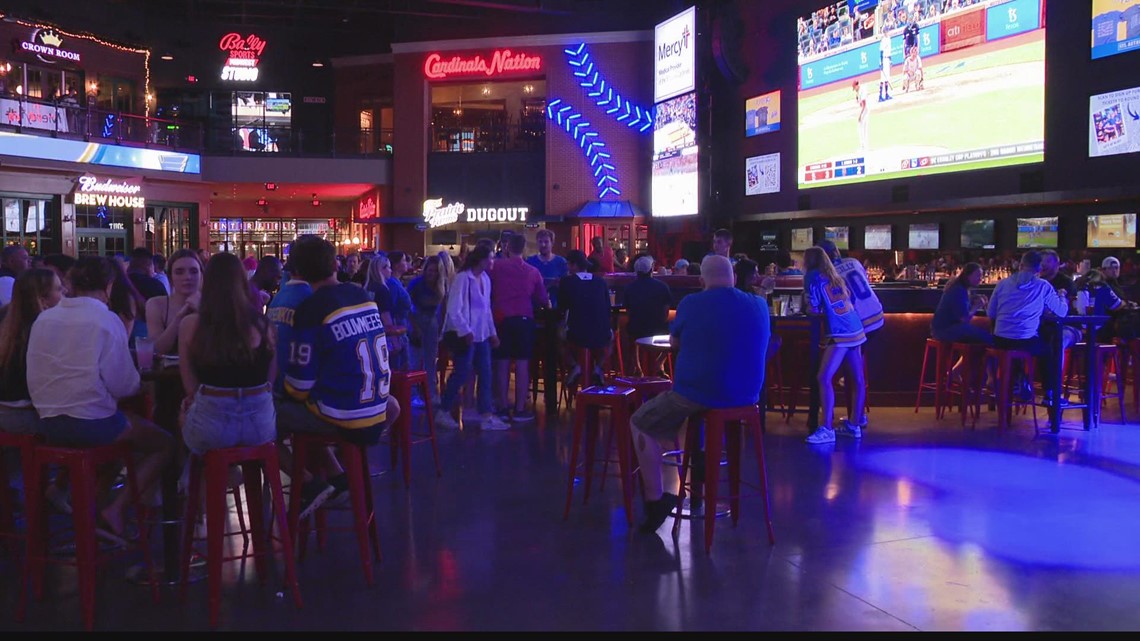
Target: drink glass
x=144 y=352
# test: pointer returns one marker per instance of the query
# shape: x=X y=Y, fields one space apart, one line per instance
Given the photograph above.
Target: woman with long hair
x=470 y=329
x=951 y=322
x=826 y=293
x=226 y=358
x=165 y=313
x=34 y=291
x=376 y=284
x=427 y=291
x=128 y=304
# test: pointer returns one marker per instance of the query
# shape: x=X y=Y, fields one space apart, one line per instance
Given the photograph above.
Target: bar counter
x=893 y=353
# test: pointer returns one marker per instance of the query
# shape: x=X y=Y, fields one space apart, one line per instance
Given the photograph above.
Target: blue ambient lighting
x=570 y=119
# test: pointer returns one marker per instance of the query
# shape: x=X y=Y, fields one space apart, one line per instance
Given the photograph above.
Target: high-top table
x=1090 y=407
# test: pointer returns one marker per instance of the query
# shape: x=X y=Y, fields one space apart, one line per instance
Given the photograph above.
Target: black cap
x=828 y=248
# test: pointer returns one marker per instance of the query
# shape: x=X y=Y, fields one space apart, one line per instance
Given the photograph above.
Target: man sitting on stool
x=721 y=337
x=1015 y=309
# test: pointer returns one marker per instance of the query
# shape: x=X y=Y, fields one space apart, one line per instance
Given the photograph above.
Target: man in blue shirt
x=721 y=337
x=552 y=266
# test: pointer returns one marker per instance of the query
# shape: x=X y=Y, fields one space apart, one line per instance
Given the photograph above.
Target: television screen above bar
x=1037 y=233
x=873 y=79
x=978 y=234
x=838 y=235
x=802 y=238
x=923 y=236
x=877 y=237
x=1112 y=230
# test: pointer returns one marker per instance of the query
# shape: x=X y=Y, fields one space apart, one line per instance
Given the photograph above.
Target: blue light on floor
x=1021 y=508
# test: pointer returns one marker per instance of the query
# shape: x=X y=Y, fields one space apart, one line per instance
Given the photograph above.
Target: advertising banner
x=964 y=29
x=674 y=56
x=33 y=115
x=1114 y=123
x=1115 y=27
x=1011 y=18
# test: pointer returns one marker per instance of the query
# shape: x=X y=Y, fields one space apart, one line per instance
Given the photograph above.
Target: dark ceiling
x=331 y=28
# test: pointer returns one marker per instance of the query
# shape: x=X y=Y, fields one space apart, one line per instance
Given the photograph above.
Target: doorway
x=99 y=242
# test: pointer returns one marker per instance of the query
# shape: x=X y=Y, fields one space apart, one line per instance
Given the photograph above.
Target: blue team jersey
x=556 y=267
x=281 y=311
x=841 y=322
x=338 y=361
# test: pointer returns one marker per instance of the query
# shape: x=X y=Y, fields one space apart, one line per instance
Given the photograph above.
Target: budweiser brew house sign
x=243 y=53
x=109 y=192
x=501 y=62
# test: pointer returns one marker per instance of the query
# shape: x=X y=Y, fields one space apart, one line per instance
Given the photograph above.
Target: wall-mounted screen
x=1114 y=123
x=978 y=234
x=802 y=238
x=877 y=237
x=838 y=235
x=1115 y=27
x=1112 y=230
x=762 y=114
x=894 y=89
x=674 y=181
x=923 y=236
x=1037 y=232
x=261 y=120
x=768 y=241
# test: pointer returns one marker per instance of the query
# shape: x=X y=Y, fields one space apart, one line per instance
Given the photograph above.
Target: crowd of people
x=843 y=23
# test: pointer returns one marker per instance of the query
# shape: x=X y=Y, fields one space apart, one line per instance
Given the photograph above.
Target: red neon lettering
x=502 y=61
x=250 y=46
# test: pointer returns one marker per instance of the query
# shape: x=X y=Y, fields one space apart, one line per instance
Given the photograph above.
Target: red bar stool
x=723 y=428
x=10 y=536
x=1003 y=361
x=585 y=360
x=255 y=461
x=400 y=436
x=82 y=465
x=354 y=458
x=620 y=402
x=942 y=351
x=973 y=377
x=1133 y=347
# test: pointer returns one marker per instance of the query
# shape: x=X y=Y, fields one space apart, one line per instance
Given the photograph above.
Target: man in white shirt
x=79 y=367
x=884 y=66
x=864 y=120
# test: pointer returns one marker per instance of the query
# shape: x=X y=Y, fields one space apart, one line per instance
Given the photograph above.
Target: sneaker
x=60 y=499
x=656 y=512
x=862 y=423
x=314 y=494
x=417 y=403
x=847 y=428
x=524 y=416
x=821 y=435
x=444 y=420
x=494 y=423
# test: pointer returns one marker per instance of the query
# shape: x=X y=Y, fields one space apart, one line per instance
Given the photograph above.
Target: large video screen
x=1112 y=230
x=674 y=182
x=1037 y=233
x=1114 y=123
x=923 y=236
x=895 y=89
x=1115 y=27
x=261 y=119
x=977 y=234
x=877 y=237
x=838 y=235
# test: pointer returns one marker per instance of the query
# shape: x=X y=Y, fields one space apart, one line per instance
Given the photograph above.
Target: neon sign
x=46 y=42
x=244 y=54
x=369 y=208
x=107 y=192
x=502 y=61
x=437 y=215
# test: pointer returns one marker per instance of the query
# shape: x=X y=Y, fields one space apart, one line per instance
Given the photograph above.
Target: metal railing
x=466 y=139
x=226 y=139
x=69 y=119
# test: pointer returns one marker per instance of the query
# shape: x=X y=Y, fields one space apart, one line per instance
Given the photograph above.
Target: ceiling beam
x=501 y=6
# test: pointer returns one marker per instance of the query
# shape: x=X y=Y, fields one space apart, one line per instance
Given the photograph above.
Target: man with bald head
x=721 y=338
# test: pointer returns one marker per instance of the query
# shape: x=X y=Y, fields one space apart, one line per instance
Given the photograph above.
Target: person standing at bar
x=516 y=291
x=720 y=335
x=1016 y=307
x=826 y=293
x=863 y=298
x=602 y=254
x=647 y=301
x=722 y=244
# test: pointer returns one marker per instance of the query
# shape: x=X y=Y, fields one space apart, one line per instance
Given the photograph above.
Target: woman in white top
x=164 y=313
x=469 y=331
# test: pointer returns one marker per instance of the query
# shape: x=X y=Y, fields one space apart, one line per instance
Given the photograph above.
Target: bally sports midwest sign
x=436 y=214
x=674 y=56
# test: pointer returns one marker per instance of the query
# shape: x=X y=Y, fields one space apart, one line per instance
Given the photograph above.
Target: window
x=27 y=222
x=488 y=116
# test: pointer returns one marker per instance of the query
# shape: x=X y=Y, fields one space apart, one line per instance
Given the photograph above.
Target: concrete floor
x=920 y=526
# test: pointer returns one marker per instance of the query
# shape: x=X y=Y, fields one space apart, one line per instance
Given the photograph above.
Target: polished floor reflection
x=920 y=526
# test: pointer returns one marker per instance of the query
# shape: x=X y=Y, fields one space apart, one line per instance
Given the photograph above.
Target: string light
x=96 y=39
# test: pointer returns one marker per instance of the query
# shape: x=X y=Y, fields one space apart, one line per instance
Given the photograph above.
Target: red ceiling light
x=262 y=202
x=316 y=203
x=192 y=79
x=270 y=186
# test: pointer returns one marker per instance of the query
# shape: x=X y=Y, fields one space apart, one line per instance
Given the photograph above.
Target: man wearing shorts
x=721 y=338
x=516 y=290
